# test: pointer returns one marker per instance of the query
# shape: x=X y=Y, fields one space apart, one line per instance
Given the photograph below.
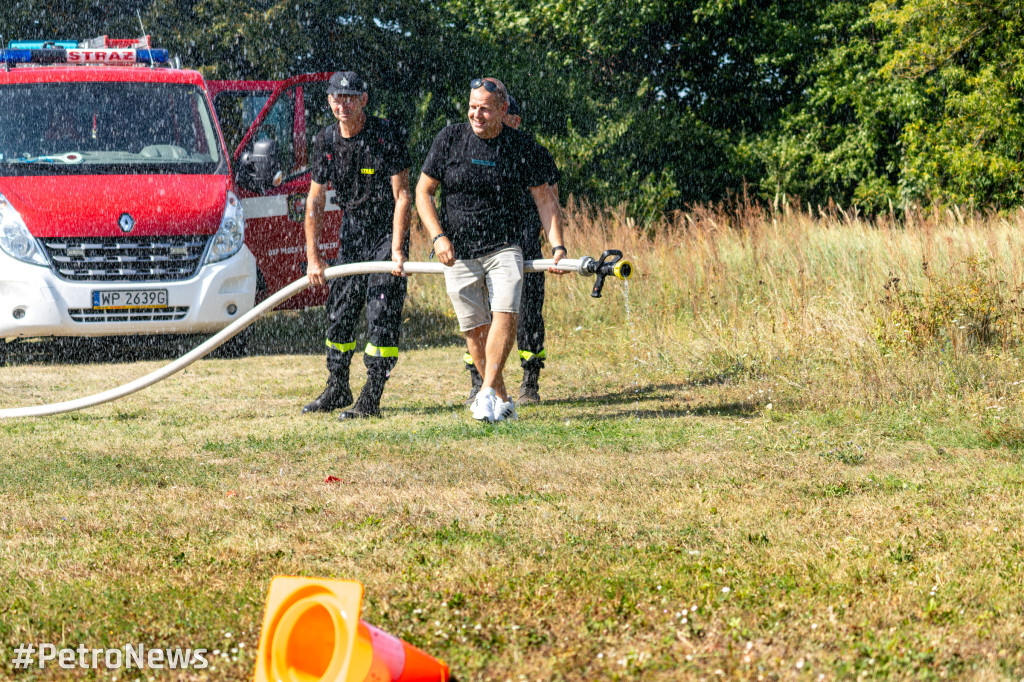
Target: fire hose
x=610 y=264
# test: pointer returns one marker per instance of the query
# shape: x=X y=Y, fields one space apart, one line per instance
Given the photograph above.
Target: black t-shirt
x=482 y=185
x=359 y=169
x=530 y=237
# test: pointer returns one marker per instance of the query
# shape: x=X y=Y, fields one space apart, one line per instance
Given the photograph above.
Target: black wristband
x=560 y=248
x=438 y=237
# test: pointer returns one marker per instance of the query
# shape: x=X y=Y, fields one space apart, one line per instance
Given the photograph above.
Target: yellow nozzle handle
x=623 y=269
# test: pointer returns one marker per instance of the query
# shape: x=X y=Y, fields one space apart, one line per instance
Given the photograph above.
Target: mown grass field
x=772 y=466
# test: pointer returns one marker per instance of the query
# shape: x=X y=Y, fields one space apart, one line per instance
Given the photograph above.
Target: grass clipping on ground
x=793 y=451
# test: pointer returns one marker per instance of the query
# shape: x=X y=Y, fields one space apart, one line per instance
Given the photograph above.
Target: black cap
x=346 y=83
x=513 y=107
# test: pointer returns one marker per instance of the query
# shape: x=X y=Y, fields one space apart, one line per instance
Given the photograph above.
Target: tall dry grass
x=833 y=306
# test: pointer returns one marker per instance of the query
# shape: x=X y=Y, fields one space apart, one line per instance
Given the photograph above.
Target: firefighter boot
x=529 y=390
x=476 y=381
x=368 y=404
x=335 y=396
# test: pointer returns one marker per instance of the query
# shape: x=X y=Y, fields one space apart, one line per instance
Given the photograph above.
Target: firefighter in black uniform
x=366 y=161
x=530 y=329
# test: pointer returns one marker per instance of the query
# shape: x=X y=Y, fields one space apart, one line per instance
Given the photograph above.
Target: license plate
x=129 y=298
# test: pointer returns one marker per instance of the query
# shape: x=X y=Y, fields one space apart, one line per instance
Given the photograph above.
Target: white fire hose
x=584 y=266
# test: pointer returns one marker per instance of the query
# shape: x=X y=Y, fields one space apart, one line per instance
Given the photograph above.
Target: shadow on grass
x=286 y=332
x=733 y=409
x=645 y=395
x=721 y=410
x=425 y=410
x=641 y=394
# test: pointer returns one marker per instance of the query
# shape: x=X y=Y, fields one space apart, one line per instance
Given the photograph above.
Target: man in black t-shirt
x=530 y=328
x=366 y=162
x=483 y=168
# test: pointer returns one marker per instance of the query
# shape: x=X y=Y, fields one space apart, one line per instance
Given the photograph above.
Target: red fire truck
x=122 y=211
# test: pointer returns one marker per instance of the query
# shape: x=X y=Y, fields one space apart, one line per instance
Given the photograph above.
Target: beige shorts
x=477 y=286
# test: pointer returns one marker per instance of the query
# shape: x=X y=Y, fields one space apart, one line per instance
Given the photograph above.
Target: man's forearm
x=555 y=232
x=428 y=213
x=551 y=217
x=314 y=224
x=425 y=189
x=312 y=228
x=400 y=229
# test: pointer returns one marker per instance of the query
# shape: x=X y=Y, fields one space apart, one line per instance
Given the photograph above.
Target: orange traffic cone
x=312 y=633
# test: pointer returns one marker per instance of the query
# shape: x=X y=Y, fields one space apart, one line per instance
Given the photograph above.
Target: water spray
x=610 y=263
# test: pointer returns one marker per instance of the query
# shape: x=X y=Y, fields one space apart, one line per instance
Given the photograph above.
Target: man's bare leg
x=476 y=345
x=500 y=338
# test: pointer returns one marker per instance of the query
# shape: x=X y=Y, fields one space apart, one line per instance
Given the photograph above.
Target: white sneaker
x=504 y=409
x=483 y=405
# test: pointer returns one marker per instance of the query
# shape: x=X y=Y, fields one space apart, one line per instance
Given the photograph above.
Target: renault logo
x=126 y=222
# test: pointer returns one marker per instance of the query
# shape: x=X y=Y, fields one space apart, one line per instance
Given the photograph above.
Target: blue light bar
x=60 y=56
x=47 y=56
x=15 y=56
x=158 y=56
x=42 y=44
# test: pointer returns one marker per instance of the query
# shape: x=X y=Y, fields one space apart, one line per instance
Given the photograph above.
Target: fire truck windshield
x=87 y=128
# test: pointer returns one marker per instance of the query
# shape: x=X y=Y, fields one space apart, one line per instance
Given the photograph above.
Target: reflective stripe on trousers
x=341 y=347
x=524 y=355
x=380 y=351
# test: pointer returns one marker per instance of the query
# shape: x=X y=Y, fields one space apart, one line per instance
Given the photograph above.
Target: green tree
x=649 y=101
x=965 y=142
x=841 y=140
x=68 y=19
x=407 y=49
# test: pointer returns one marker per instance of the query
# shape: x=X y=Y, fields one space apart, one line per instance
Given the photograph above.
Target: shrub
x=965 y=306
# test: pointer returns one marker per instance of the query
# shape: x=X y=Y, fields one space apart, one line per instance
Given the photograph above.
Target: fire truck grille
x=137 y=259
x=128 y=315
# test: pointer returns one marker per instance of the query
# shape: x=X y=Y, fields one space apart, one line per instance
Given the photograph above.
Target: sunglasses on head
x=489 y=86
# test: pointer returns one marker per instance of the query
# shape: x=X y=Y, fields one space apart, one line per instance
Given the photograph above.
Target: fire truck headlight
x=15 y=239
x=231 y=235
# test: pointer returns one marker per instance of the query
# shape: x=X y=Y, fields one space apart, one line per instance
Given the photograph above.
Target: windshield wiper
x=72 y=157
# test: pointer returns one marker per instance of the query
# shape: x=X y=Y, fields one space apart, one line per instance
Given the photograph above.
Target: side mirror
x=258 y=170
